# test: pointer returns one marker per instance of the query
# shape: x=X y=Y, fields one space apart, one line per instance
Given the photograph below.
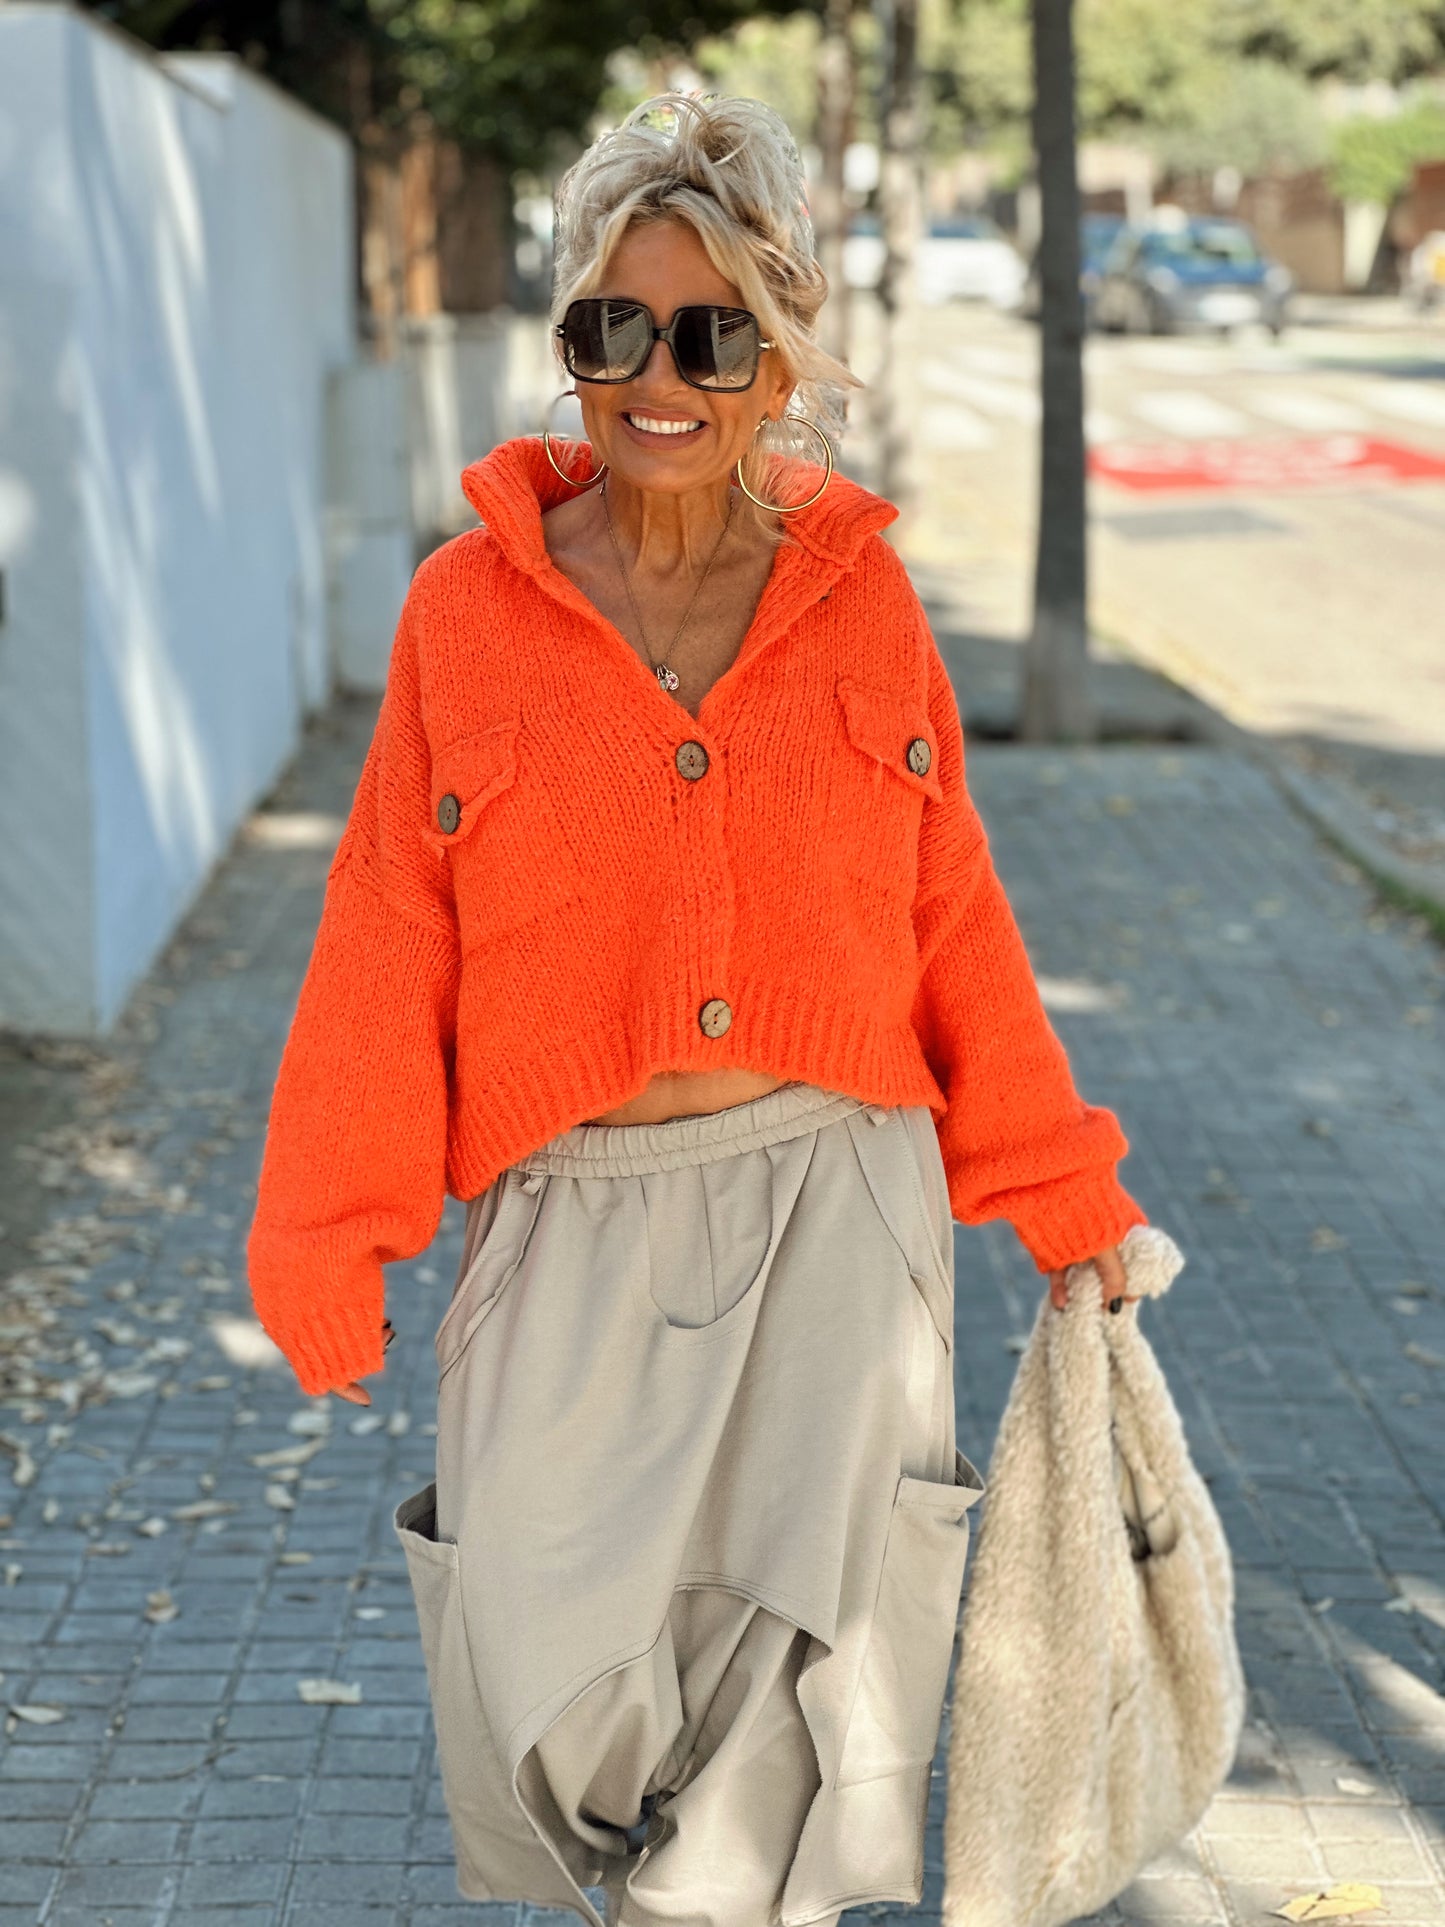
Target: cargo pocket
x=432 y=1565
x=898 y=1708
x=493 y=1841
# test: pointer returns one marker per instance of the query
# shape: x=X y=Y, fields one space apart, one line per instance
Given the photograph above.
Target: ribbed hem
x=1062 y=1224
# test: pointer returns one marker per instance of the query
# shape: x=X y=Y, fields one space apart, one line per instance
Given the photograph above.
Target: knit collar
x=513 y=486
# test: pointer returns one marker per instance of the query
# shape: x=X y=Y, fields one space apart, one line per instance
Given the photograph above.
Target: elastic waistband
x=629 y=1150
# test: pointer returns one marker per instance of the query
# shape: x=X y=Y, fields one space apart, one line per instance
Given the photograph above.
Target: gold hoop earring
x=589 y=481
x=777 y=508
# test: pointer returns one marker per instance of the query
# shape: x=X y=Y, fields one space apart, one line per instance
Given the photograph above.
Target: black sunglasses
x=608 y=340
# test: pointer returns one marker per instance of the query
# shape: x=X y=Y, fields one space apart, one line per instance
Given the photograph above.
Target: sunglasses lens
x=716 y=347
x=605 y=340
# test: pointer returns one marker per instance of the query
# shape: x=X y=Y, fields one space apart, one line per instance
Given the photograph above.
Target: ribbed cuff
x=1075 y=1219
x=332 y=1339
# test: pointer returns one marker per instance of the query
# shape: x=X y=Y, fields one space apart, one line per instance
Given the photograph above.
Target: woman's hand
x=358 y=1394
x=1112 y=1274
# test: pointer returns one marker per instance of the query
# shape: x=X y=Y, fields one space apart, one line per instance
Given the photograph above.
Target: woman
x=661 y=927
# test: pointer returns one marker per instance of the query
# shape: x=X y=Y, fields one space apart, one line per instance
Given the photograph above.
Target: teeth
x=651 y=426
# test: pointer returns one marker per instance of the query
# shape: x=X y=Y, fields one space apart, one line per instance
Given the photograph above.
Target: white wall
x=175 y=286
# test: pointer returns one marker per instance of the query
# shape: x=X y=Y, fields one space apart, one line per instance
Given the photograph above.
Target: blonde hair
x=731 y=170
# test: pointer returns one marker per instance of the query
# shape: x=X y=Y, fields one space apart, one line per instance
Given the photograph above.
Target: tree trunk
x=421 y=254
x=475 y=225
x=836 y=84
x=898 y=205
x=1057 y=702
x=379 y=195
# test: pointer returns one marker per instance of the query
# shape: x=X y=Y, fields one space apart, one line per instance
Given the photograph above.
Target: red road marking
x=1306 y=462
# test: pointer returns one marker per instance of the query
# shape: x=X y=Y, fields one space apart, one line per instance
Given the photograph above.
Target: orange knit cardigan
x=554 y=881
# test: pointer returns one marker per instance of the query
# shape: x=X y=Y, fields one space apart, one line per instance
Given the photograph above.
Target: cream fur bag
x=1099 y=1696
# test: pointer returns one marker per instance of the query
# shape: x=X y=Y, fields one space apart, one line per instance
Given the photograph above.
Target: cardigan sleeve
x=353 y=1168
x=1017 y=1140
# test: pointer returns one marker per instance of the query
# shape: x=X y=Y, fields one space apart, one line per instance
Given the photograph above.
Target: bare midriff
x=689 y=1093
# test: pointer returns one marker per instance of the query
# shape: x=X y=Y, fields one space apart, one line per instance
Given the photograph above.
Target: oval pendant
x=669 y=678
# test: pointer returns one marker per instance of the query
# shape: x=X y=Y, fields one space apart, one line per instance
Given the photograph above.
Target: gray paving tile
x=223 y=1801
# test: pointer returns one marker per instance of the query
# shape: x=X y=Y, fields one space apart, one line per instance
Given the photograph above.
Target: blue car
x=1097 y=234
x=1189 y=273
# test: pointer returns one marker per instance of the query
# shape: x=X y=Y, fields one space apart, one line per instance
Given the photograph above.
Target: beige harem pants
x=688 y=1575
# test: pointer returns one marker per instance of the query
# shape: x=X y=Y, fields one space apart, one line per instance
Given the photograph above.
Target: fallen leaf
x=1421 y=1354
x=128 y=1384
x=1348 y=1785
x=116 y=1330
x=398 y=1425
x=366 y=1422
x=288 y=1454
x=153 y=1527
x=329 y=1692
x=12 y=1572
x=202 y=1508
x=50 y=1511
x=371 y=1612
x=39 y=1715
x=311 y=1420
x=113 y=1546
x=1322 y=1605
x=166 y=1349
x=25 y=1466
x=213 y=1382
x=160 y=1607
x=1399 y=1606
x=280 y=1496
x=1329 y=1903
x=295 y=1558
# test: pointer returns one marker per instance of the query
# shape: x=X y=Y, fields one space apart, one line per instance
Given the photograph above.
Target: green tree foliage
x=764 y=59
x=1356 y=39
x=505 y=77
x=1372 y=160
x=1255 y=115
x=1202 y=84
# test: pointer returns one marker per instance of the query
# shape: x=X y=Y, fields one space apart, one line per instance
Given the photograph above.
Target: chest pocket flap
x=466 y=775
x=894 y=729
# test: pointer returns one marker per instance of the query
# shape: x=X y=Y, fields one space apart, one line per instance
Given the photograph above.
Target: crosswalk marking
x=1002 y=398
x=1304 y=408
x=1412 y=401
x=1011 y=364
x=1102 y=427
x=949 y=425
x=1179 y=411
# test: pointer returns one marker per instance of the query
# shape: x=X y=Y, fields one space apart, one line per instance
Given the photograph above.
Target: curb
x=1414 y=886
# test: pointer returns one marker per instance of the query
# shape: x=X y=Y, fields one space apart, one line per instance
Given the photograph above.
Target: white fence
x=175 y=287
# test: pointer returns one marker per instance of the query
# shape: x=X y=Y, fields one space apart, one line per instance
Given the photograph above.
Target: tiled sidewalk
x=1275 y=1046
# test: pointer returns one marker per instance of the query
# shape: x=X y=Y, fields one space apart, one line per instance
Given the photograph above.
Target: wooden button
x=691 y=760
x=449 y=812
x=714 y=1017
x=920 y=756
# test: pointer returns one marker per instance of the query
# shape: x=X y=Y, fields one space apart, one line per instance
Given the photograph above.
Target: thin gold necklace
x=668 y=677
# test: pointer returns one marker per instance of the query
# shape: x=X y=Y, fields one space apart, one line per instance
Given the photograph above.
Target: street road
x=1268 y=523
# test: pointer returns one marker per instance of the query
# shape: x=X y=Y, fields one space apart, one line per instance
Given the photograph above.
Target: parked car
x=1190 y=272
x=961 y=257
x=1097 y=234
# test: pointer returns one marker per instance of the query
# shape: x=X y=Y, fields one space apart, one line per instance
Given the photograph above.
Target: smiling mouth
x=658 y=425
